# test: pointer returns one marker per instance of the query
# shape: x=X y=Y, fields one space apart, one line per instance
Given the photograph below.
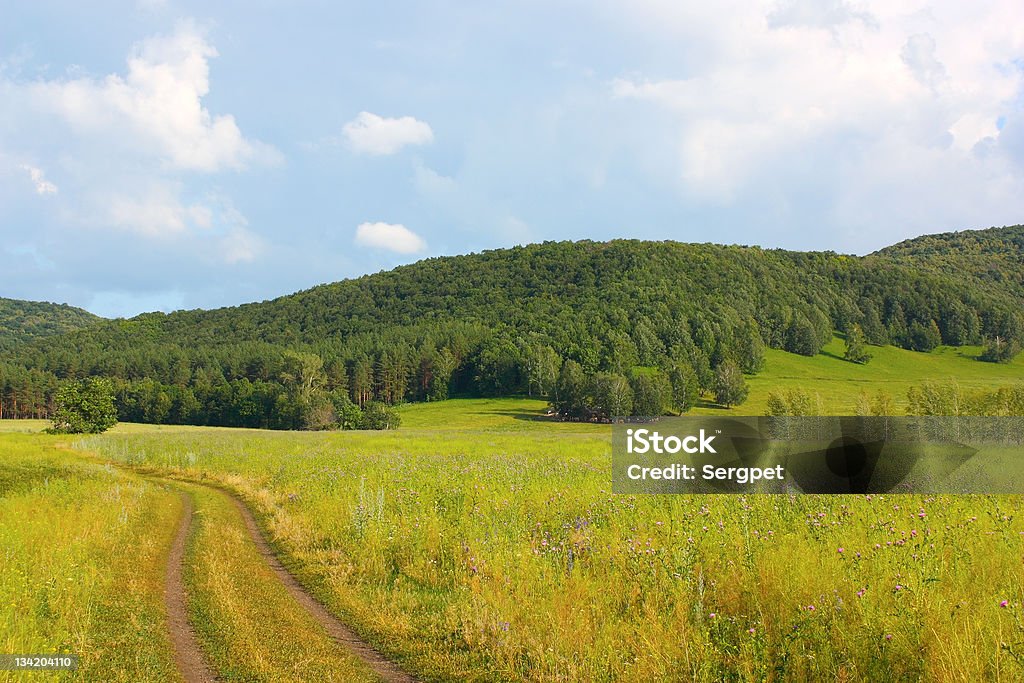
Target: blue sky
x=165 y=155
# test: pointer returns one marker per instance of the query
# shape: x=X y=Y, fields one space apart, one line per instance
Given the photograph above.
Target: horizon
x=472 y=253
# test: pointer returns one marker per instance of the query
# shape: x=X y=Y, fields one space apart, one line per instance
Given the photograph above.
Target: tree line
x=599 y=329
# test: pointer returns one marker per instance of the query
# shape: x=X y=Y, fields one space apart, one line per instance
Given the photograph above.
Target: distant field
x=837 y=382
x=892 y=370
x=23 y=426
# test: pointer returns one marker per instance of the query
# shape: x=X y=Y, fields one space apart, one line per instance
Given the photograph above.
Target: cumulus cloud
x=876 y=97
x=918 y=54
x=42 y=185
x=155 y=109
x=133 y=147
x=391 y=236
x=158 y=214
x=372 y=134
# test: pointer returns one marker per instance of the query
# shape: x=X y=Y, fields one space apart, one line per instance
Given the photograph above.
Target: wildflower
x=810 y=608
x=899 y=587
x=861 y=592
x=842 y=550
x=921 y=514
x=888 y=636
x=1004 y=603
x=913 y=532
x=750 y=630
x=713 y=615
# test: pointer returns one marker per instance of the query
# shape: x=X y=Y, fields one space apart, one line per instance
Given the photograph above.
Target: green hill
x=22 y=321
x=993 y=257
x=512 y=321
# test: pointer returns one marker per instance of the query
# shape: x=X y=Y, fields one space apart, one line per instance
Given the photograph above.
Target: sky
x=160 y=155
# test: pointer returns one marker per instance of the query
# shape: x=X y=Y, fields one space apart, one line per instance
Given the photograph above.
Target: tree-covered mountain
x=22 y=321
x=993 y=257
x=674 y=319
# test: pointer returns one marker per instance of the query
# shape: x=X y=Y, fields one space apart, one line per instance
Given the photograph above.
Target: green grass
x=892 y=370
x=837 y=383
x=499 y=414
x=481 y=542
x=82 y=547
x=23 y=426
x=497 y=552
x=245 y=620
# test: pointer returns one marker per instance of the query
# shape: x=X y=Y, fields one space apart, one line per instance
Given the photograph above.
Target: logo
x=645 y=441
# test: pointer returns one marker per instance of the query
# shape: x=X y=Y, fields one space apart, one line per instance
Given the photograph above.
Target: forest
x=22 y=321
x=599 y=328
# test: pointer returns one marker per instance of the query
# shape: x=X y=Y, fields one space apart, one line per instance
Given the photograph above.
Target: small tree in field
x=86 y=406
x=856 y=345
x=999 y=350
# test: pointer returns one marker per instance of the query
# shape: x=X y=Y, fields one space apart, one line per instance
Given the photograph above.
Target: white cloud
x=131 y=146
x=430 y=183
x=240 y=246
x=844 y=91
x=154 y=110
x=372 y=134
x=391 y=236
x=209 y=227
x=918 y=54
x=42 y=185
x=159 y=214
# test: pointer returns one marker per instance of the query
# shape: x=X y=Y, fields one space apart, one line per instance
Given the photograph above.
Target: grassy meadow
x=892 y=370
x=473 y=544
x=83 y=570
x=481 y=542
x=82 y=563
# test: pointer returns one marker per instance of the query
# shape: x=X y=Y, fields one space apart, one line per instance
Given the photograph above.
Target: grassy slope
x=892 y=370
x=836 y=381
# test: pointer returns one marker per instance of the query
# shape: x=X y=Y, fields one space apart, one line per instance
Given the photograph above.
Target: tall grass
x=497 y=554
x=81 y=563
x=248 y=625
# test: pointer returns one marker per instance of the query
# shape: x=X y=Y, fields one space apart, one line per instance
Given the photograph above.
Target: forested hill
x=22 y=321
x=994 y=257
x=510 y=321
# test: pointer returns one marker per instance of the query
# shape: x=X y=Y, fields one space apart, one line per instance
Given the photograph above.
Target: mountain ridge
x=482 y=324
x=22 y=321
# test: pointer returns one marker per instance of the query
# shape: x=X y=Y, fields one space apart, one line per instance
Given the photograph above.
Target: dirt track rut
x=187 y=653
